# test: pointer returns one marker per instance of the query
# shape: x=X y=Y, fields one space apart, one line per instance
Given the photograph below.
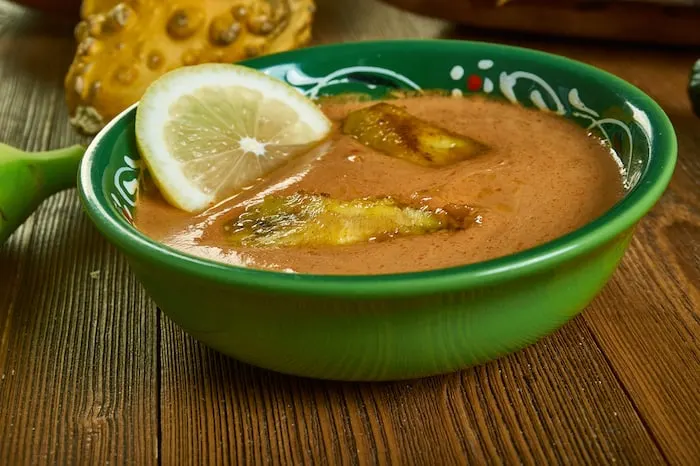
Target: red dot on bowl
x=474 y=82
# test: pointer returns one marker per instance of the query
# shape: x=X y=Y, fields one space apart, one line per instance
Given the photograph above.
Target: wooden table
x=92 y=373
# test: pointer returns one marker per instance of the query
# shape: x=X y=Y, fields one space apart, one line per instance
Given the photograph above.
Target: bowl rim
x=618 y=219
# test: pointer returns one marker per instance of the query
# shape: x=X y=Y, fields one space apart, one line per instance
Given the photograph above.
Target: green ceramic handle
x=27 y=178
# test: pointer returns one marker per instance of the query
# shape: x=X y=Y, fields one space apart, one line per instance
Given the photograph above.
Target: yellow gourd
x=124 y=46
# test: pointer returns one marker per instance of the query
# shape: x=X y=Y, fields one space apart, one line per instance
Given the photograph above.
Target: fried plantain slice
x=303 y=219
x=395 y=132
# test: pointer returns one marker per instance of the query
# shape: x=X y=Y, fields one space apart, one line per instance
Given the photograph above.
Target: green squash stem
x=28 y=178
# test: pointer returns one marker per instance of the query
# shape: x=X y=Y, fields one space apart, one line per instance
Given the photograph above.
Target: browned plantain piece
x=303 y=219
x=124 y=46
x=395 y=132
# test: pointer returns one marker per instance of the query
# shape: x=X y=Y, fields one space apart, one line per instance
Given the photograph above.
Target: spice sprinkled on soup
x=404 y=185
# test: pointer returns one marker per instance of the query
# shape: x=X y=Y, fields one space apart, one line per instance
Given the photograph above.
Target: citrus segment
x=210 y=130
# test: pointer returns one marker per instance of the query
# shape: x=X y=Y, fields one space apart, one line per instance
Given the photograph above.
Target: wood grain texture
x=647 y=321
x=652 y=340
x=625 y=20
x=77 y=334
x=91 y=373
x=555 y=403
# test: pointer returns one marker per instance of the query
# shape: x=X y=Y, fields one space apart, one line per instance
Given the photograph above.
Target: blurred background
x=94 y=45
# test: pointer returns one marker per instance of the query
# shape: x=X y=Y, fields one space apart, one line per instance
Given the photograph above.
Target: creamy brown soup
x=541 y=178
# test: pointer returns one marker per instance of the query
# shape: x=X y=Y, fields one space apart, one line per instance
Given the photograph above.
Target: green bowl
x=389 y=327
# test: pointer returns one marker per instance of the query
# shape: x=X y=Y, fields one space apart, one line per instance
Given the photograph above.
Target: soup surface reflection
x=540 y=178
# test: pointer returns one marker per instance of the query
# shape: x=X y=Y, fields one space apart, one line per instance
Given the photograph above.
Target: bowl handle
x=27 y=178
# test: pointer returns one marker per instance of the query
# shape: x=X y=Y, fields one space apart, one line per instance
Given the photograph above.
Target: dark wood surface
x=675 y=22
x=92 y=373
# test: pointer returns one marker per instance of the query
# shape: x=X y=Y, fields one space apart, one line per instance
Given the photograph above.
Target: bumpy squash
x=124 y=46
x=91 y=7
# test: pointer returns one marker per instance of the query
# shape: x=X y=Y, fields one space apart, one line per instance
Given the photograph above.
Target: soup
x=537 y=178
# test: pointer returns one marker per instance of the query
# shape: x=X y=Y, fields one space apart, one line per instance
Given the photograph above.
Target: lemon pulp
x=207 y=131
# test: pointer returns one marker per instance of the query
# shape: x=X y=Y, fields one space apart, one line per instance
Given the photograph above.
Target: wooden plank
x=647 y=322
x=557 y=402
x=674 y=22
x=77 y=334
x=652 y=339
x=78 y=368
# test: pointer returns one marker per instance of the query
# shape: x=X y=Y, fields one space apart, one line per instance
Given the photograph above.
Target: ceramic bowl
x=409 y=325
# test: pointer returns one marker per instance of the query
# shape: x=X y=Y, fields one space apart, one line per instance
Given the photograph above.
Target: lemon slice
x=207 y=131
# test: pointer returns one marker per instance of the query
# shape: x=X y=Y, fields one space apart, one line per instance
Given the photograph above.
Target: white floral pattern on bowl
x=486 y=78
